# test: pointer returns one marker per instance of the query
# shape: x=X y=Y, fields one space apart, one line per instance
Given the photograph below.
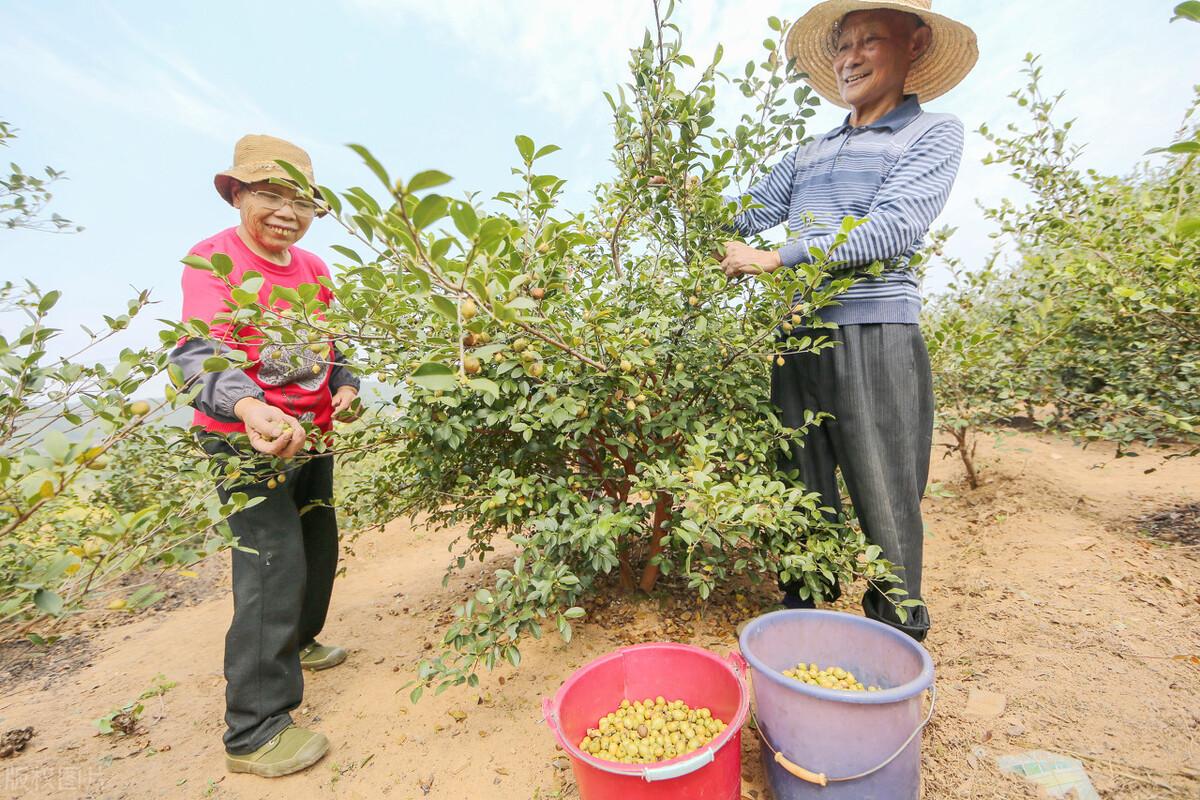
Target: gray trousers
x=877 y=384
x=280 y=597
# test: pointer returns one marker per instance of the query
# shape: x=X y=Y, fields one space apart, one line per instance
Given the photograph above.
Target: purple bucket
x=846 y=745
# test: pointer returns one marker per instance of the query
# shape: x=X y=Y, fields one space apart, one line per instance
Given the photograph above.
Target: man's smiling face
x=873 y=53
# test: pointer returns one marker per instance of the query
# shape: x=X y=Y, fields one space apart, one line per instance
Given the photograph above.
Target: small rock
x=560 y=763
x=983 y=704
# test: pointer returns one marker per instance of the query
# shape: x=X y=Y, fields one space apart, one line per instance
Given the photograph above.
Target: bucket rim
x=896 y=694
x=732 y=728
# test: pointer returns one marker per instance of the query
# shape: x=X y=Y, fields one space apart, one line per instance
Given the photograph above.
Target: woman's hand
x=270 y=430
x=742 y=259
x=344 y=407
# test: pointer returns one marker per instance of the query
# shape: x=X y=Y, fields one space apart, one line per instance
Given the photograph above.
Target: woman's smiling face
x=273 y=230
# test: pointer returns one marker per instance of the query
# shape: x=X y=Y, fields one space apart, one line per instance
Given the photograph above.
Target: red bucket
x=677 y=672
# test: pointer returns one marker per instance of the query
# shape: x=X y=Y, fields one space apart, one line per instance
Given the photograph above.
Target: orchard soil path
x=1042 y=589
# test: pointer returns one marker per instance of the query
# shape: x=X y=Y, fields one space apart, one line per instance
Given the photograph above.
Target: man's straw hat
x=952 y=52
x=254 y=158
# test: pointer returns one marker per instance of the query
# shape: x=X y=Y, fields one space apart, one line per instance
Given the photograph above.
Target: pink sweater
x=303 y=390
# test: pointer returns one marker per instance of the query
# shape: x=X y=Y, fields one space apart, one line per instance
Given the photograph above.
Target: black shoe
x=877 y=607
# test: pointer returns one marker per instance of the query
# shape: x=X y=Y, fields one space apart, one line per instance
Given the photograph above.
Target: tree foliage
x=1093 y=329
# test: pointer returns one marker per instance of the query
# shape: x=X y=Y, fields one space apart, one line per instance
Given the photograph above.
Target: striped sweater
x=896 y=172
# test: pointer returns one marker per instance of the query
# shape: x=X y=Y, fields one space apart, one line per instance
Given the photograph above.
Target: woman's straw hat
x=952 y=51
x=254 y=158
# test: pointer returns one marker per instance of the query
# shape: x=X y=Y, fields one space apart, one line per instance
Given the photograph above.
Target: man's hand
x=742 y=259
x=270 y=430
x=344 y=407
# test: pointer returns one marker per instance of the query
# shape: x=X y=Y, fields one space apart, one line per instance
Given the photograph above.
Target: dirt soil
x=1051 y=587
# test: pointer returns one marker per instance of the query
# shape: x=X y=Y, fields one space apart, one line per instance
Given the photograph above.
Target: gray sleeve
x=219 y=391
x=340 y=374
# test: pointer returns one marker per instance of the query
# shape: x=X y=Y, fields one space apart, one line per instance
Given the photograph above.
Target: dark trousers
x=877 y=384
x=280 y=597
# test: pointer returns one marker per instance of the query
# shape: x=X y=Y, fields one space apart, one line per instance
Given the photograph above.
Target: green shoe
x=321 y=656
x=290 y=750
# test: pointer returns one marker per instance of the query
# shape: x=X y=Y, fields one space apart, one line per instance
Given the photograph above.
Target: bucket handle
x=820 y=778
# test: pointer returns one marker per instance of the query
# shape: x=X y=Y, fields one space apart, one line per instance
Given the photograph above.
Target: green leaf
x=48 y=300
x=222 y=264
x=216 y=364
x=464 y=218
x=1189 y=10
x=429 y=210
x=296 y=175
x=1188 y=227
x=57 y=446
x=434 y=376
x=525 y=147
x=48 y=602
x=348 y=253
x=445 y=306
x=196 y=262
x=252 y=282
x=484 y=386
x=1177 y=148
x=574 y=612
x=545 y=151
x=427 y=180
x=374 y=165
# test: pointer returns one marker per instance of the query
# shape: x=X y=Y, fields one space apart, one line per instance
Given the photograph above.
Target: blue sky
x=141 y=102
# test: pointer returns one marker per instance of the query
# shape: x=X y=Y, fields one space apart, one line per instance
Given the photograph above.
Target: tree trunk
x=968 y=456
x=658 y=529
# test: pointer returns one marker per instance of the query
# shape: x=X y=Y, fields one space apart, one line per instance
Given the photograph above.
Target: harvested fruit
x=828 y=678
x=646 y=731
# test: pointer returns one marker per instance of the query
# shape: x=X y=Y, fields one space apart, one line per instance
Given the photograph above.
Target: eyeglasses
x=274 y=202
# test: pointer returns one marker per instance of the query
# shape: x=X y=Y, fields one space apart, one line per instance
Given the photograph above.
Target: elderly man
x=282 y=584
x=894 y=164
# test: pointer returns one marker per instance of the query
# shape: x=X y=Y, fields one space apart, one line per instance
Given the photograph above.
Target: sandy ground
x=1041 y=588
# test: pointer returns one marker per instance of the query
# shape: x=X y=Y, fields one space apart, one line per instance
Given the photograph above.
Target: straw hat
x=952 y=51
x=254 y=158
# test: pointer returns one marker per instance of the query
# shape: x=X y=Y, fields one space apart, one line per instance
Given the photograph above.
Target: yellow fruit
x=467 y=309
x=272 y=483
x=139 y=408
x=537 y=292
x=471 y=365
x=281 y=478
x=316 y=369
x=117 y=604
x=543 y=248
x=520 y=344
x=779 y=361
x=626 y=366
x=631 y=405
x=693 y=301
x=535 y=369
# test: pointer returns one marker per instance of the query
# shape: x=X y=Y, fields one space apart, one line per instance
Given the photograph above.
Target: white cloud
x=132 y=75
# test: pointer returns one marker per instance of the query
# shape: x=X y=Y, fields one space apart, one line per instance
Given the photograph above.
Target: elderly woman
x=282 y=585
